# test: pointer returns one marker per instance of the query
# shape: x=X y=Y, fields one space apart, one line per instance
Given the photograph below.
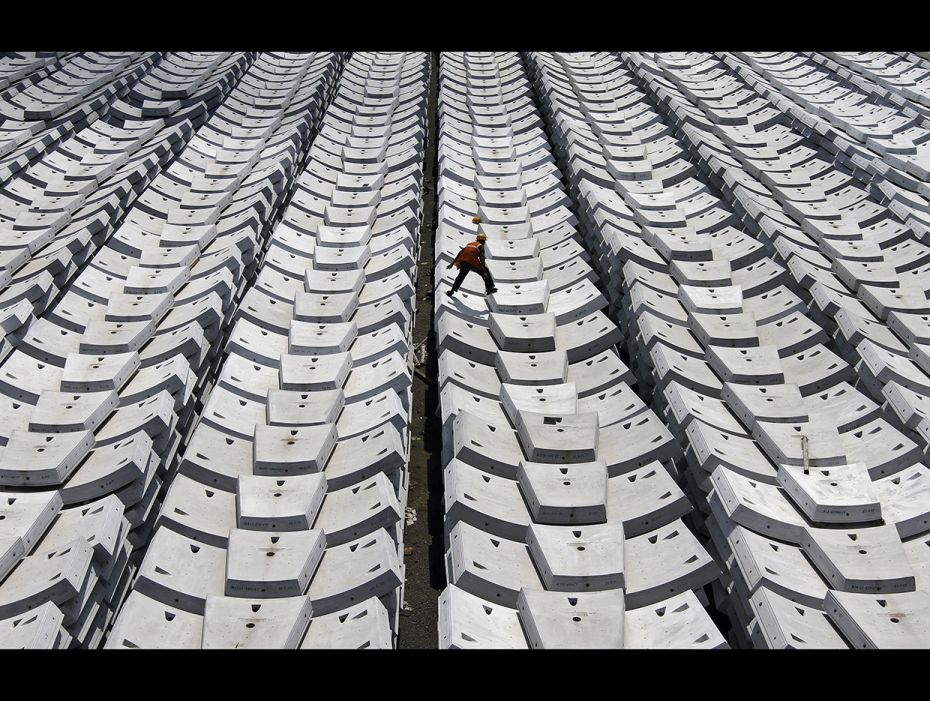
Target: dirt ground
x=425 y=575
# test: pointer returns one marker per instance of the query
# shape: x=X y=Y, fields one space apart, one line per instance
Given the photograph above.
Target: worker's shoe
x=449 y=293
x=492 y=291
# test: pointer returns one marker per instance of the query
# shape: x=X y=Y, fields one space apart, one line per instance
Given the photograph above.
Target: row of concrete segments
x=46 y=97
x=102 y=390
x=92 y=420
x=62 y=207
x=284 y=527
x=756 y=282
x=562 y=508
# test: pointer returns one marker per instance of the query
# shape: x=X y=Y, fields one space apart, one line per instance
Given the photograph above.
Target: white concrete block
x=272 y=565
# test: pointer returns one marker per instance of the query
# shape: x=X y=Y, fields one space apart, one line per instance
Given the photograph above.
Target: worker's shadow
x=466 y=312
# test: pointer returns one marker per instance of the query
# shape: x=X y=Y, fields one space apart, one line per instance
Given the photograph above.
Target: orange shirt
x=471 y=254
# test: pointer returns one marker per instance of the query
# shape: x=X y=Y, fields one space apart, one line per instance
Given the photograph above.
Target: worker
x=471 y=258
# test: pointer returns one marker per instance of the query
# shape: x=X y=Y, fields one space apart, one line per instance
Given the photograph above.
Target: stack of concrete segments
x=67 y=94
x=284 y=526
x=753 y=383
x=562 y=512
x=104 y=389
x=61 y=209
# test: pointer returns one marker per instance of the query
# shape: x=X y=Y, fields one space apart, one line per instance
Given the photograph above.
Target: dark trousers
x=465 y=268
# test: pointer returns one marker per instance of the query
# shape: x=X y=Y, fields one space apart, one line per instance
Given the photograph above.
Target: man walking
x=471 y=258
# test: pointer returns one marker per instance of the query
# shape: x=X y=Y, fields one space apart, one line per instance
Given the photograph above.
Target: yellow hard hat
x=476 y=220
x=482 y=236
